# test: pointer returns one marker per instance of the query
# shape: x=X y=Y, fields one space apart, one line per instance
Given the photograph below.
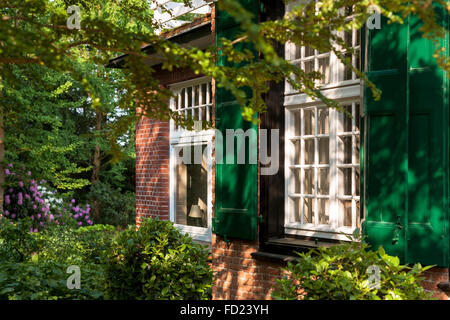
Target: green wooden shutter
x=235 y=208
x=406 y=142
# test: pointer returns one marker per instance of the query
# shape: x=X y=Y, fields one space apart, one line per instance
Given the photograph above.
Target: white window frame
x=346 y=92
x=184 y=138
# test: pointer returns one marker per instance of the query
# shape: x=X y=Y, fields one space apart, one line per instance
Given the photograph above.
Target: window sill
x=283 y=250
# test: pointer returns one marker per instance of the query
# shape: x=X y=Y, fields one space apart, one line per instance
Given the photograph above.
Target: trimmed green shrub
x=157 y=262
x=348 y=272
x=48 y=281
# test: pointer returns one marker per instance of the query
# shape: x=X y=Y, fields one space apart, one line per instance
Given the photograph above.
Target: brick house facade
x=245 y=269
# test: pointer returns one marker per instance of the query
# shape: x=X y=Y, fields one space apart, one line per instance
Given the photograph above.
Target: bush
x=75 y=246
x=48 y=281
x=156 y=262
x=343 y=272
x=115 y=207
x=17 y=244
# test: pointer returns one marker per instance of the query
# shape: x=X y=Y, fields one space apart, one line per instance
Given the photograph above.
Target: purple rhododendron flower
x=80 y=223
x=51 y=217
x=10 y=165
x=72 y=201
x=20 y=199
x=13 y=215
x=27 y=196
x=21 y=184
x=90 y=222
x=10 y=190
x=39 y=216
x=34 y=206
x=7 y=199
x=29 y=173
x=7 y=172
x=6 y=213
x=32 y=217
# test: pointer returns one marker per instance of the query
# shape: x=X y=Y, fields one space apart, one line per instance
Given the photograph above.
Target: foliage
x=157 y=262
x=343 y=272
x=75 y=246
x=17 y=244
x=116 y=207
x=27 y=198
x=47 y=281
x=34 y=264
x=29 y=28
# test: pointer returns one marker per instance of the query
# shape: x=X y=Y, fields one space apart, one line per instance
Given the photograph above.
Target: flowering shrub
x=26 y=198
x=79 y=214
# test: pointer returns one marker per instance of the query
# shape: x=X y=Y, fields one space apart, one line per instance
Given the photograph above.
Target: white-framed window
x=334 y=72
x=322 y=150
x=190 y=160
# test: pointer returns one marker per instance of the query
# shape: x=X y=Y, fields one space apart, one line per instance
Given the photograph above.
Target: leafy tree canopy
x=36 y=32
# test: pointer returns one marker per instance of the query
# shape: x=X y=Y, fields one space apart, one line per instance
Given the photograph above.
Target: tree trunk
x=97 y=161
x=2 y=155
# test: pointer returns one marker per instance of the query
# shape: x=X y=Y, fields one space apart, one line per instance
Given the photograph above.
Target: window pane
x=357 y=152
x=309 y=66
x=357 y=116
x=345 y=181
x=348 y=36
x=308 y=181
x=297 y=179
x=204 y=93
x=191 y=192
x=348 y=72
x=308 y=211
x=183 y=98
x=324 y=122
x=203 y=113
x=324 y=182
x=297 y=123
x=309 y=52
x=357 y=182
x=297 y=157
x=295 y=202
x=210 y=92
x=298 y=53
x=324 y=69
x=309 y=121
x=324 y=211
x=345 y=207
x=196 y=95
x=189 y=97
x=345 y=150
x=324 y=150
x=346 y=119
x=309 y=151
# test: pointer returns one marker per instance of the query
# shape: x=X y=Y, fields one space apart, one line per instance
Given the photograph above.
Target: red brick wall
x=238 y=275
x=432 y=278
x=152 y=169
x=152 y=157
